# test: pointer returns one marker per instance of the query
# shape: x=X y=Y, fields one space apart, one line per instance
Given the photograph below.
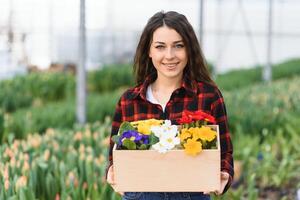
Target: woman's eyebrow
x=175 y=42
x=159 y=42
x=179 y=41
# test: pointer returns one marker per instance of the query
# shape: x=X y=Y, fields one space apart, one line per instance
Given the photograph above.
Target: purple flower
x=138 y=137
x=129 y=134
x=145 y=139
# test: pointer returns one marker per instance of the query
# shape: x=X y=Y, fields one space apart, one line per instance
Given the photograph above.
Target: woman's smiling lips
x=170 y=65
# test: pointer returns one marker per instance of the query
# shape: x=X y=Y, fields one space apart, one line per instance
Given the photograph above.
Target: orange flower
x=192 y=147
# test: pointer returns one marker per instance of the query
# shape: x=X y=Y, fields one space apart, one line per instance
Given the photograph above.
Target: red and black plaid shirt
x=191 y=96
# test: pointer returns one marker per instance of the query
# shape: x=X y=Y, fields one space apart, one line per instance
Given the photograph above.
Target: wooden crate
x=174 y=171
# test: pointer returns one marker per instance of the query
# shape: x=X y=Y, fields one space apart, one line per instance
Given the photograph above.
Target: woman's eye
x=159 y=47
x=178 y=46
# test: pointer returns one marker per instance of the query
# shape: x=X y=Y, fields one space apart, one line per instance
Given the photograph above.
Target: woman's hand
x=224 y=180
x=111 y=178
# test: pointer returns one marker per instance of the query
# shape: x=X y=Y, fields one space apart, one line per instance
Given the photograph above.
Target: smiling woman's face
x=168 y=53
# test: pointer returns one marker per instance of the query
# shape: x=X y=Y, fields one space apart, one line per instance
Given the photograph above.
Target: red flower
x=188 y=117
x=185 y=119
x=200 y=115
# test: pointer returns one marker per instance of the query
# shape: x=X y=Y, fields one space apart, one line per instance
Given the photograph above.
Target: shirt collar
x=190 y=86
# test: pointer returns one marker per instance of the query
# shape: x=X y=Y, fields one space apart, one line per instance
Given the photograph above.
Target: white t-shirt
x=151 y=98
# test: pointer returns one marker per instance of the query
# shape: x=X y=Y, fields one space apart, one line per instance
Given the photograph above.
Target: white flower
x=159 y=147
x=157 y=130
x=165 y=129
x=167 y=136
x=169 y=141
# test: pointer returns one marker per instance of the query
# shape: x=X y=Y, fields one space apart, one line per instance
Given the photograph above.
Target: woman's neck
x=162 y=84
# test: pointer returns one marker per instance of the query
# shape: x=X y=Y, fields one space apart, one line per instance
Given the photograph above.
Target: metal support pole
x=201 y=25
x=267 y=71
x=81 y=77
x=218 y=38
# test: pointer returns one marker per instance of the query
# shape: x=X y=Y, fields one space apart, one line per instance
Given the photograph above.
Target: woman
x=172 y=77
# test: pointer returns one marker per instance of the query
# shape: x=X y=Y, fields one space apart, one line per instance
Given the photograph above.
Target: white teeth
x=171 y=64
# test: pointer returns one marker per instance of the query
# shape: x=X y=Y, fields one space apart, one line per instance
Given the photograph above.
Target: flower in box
x=194 y=134
x=167 y=135
x=160 y=135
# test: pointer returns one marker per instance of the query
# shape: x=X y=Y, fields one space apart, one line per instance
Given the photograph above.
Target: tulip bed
x=264 y=108
x=60 y=164
x=70 y=164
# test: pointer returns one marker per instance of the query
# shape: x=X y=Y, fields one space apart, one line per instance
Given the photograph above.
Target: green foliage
x=245 y=77
x=59 y=115
x=125 y=126
x=260 y=109
x=270 y=168
x=286 y=69
x=129 y=144
x=110 y=78
x=263 y=108
x=1 y=125
x=61 y=164
x=39 y=88
x=24 y=91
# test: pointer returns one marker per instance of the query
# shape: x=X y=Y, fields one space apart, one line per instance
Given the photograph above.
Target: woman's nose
x=169 y=53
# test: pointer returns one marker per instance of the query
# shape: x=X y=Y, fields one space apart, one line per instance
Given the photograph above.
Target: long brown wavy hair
x=196 y=68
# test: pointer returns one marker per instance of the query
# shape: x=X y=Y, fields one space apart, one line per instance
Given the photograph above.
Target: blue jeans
x=165 y=196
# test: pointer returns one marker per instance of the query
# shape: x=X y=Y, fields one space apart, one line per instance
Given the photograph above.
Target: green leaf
x=115 y=138
x=22 y=195
x=153 y=139
x=143 y=147
x=14 y=197
x=43 y=165
x=125 y=126
x=29 y=194
x=129 y=144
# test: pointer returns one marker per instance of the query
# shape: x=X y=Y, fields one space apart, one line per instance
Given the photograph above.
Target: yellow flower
x=152 y=122
x=195 y=132
x=206 y=133
x=192 y=147
x=144 y=126
x=184 y=134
